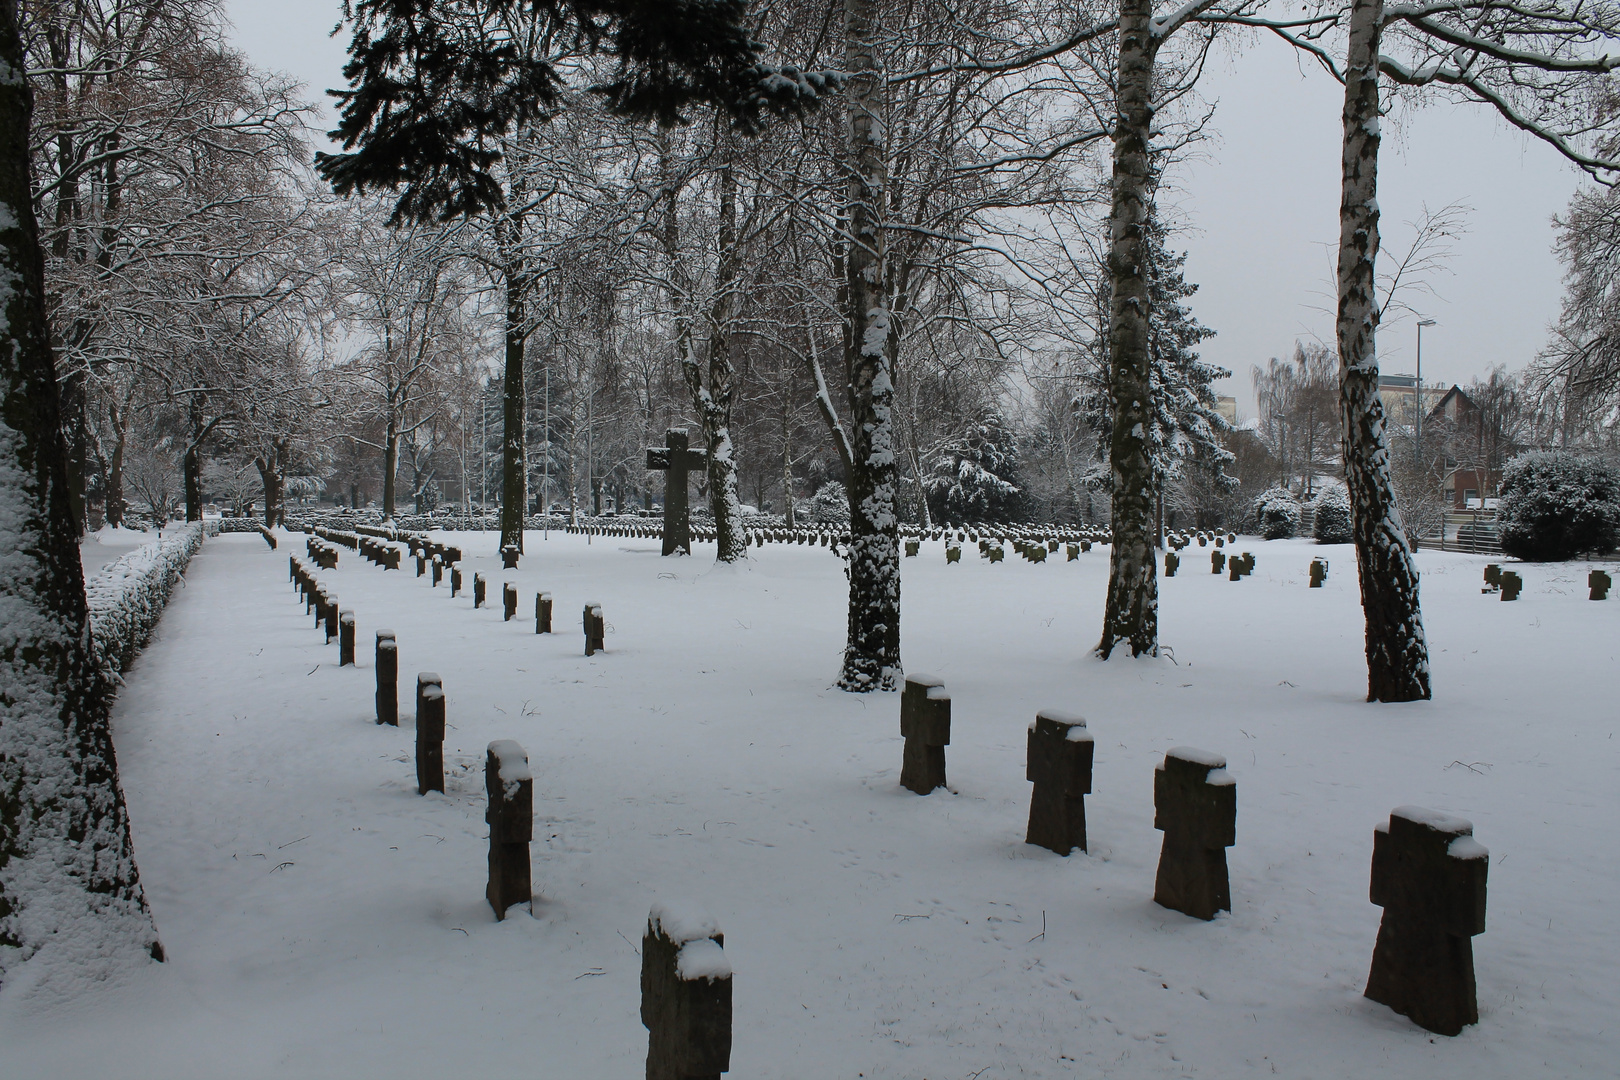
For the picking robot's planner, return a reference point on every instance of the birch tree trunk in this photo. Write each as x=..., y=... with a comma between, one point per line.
x=1132, y=612
x=390, y=476
x=872, y=652
x=1397, y=652
x=68, y=883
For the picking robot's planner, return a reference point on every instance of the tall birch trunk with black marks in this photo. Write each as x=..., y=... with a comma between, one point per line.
x=1397, y=652
x=68, y=882
x=1132, y=613
x=872, y=652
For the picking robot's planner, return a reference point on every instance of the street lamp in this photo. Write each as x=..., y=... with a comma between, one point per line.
x=1417, y=441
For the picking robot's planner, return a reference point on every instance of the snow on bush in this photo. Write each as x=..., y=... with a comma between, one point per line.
x=830, y=503
x=1556, y=504
x=1276, y=514
x=1333, y=522
x=128, y=596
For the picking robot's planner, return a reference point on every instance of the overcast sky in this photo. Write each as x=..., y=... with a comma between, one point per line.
x=1262, y=204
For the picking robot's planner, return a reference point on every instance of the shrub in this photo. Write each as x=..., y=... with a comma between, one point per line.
x=127, y=597
x=1333, y=521
x=1276, y=514
x=1556, y=504
x=830, y=503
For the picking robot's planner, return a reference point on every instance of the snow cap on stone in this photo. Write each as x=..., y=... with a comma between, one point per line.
x=681, y=920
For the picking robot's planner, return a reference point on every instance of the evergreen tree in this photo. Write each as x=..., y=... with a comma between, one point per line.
x=1186, y=423
x=975, y=475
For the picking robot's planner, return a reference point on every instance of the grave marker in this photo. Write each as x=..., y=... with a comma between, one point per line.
x=509, y=601
x=595, y=629
x=1217, y=561
x=685, y=996
x=429, y=733
x=925, y=723
x=1195, y=806
x=1172, y=563
x=1428, y=874
x=478, y=590
x=676, y=459
x=346, y=639
x=509, y=557
x=1600, y=584
x=542, y=613
x=1511, y=584
x=510, y=815
x=1058, y=761
x=1319, y=572
x=438, y=569
x=387, y=678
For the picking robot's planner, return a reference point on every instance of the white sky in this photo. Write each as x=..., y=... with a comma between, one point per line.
x=1263, y=206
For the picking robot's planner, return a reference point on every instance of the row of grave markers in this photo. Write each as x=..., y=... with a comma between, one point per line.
x=1428, y=872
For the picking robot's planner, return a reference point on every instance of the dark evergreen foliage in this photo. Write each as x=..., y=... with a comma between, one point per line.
x=434, y=84
x=975, y=475
x=1556, y=505
x=1333, y=523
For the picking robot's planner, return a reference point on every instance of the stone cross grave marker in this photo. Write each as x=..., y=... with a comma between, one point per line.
x=1512, y=583
x=1058, y=761
x=676, y=458
x=429, y=733
x=1600, y=584
x=925, y=722
x=510, y=787
x=1428, y=874
x=1195, y=806
x=1172, y=563
x=387, y=678
x=1217, y=561
x=685, y=995
x=509, y=557
x=1319, y=572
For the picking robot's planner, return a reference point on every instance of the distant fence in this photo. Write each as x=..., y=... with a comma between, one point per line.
x=1471, y=531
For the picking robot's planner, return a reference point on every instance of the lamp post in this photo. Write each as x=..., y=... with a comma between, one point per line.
x=1417, y=441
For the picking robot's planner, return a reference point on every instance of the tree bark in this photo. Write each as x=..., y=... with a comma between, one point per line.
x=1397, y=651
x=714, y=400
x=1132, y=612
x=872, y=652
x=272, y=474
x=514, y=404
x=118, y=421
x=68, y=881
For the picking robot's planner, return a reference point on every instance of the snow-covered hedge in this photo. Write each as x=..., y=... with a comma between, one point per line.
x=1276, y=514
x=1556, y=504
x=1333, y=522
x=127, y=597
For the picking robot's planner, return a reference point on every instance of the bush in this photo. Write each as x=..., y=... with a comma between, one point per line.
x=1333, y=521
x=1556, y=504
x=830, y=503
x=1276, y=514
x=128, y=596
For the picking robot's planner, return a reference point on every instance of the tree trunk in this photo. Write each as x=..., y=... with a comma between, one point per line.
x=872, y=652
x=787, y=463
x=514, y=451
x=76, y=433
x=191, y=463
x=714, y=400
x=1132, y=612
x=390, y=471
x=115, y=466
x=68, y=882
x=1397, y=652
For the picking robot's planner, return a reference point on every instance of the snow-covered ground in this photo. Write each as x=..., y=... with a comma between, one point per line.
x=321, y=919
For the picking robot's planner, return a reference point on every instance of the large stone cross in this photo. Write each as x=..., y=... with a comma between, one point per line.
x=677, y=459
x=1428, y=874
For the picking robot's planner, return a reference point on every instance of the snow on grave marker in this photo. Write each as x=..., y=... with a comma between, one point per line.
x=1058, y=760
x=1195, y=806
x=455, y=581
x=686, y=995
x=346, y=639
x=925, y=723
x=595, y=629
x=542, y=613
x=387, y=678
x=510, y=815
x=1428, y=874
x=438, y=569
x=429, y=733
x=478, y=590
x=508, y=601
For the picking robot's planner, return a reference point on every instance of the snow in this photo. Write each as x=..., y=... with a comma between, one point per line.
x=1198, y=757
x=512, y=764
x=682, y=920
x=321, y=918
x=702, y=960
x=1437, y=820
x=1466, y=847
